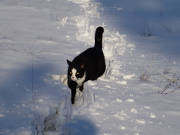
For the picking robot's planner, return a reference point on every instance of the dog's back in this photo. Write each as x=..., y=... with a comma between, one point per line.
x=93, y=58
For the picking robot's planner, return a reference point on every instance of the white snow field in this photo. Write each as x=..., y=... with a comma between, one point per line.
x=139, y=94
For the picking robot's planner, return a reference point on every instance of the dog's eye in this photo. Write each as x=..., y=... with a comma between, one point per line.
x=77, y=73
x=70, y=73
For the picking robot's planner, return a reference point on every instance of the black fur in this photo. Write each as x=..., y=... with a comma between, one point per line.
x=90, y=62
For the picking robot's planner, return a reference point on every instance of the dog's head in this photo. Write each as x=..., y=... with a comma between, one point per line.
x=75, y=71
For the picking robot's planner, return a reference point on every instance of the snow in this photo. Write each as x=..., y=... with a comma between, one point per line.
x=137, y=95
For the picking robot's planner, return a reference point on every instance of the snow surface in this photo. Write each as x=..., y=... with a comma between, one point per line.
x=139, y=92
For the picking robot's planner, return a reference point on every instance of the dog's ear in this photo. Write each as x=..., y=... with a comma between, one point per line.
x=69, y=62
x=82, y=66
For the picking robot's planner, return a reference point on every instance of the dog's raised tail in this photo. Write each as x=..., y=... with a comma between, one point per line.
x=98, y=37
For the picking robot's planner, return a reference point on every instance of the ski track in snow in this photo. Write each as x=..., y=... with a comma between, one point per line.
x=117, y=103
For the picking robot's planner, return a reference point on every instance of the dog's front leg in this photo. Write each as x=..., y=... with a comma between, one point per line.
x=73, y=94
x=81, y=87
x=72, y=85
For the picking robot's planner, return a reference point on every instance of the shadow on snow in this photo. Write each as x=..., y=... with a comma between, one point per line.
x=155, y=23
x=30, y=91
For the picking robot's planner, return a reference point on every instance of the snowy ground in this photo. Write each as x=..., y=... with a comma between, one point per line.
x=142, y=58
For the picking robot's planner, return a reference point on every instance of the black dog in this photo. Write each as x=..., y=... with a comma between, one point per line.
x=89, y=65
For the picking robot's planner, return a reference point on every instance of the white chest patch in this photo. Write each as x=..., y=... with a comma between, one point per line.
x=79, y=81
